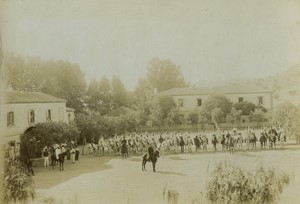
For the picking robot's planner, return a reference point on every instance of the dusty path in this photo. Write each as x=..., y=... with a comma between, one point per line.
x=187, y=174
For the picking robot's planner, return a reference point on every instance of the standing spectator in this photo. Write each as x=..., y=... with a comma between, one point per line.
x=261, y=140
x=76, y=153
x=240, y=141
x=57, y=152
x=253, y=140
x=189, y=144
x=46, y=157
x=223, y=142
x=197, y=143
x=161, y=139
x=72, y=152
x=214, y=142
x=181, y=143
x=204, y=142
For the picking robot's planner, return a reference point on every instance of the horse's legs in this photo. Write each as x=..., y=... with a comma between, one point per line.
x=144, y=164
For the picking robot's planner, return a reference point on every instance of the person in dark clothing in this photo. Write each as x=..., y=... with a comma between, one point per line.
x=150, y=151
x=197, y=143
x=214, y=142
x=124, y=148
x=181, y=143
x=223, y=142
x=161, y=139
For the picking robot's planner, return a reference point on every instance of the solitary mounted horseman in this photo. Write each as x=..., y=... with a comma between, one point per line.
x=150, y=152
x=152, y=156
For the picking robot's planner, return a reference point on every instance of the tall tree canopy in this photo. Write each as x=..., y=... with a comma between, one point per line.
x=215, y=108
x=105, y=95
x=287, y=115
x=119, y=93
x=164, y=74
x=59, y=78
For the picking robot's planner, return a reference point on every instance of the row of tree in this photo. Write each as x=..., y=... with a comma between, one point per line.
x=66, y=80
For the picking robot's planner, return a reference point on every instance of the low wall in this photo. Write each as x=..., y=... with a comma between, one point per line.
x=223, y=126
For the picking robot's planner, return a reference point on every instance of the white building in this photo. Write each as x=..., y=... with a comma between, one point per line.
x=190, y=99
x=22, y=110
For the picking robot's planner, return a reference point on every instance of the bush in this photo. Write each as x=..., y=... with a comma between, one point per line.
x=18, y=185
x=231, y=184
x=45, y=134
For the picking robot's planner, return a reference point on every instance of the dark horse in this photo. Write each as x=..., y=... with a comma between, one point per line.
x=53, y=157
x=151, y=156
x=61, y=159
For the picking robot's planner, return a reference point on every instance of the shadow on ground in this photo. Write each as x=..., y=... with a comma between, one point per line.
x=170, y=173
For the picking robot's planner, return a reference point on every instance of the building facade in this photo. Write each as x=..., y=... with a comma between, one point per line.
x=191, y=99
x=22, y=110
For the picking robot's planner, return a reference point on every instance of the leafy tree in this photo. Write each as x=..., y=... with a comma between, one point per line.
x=90, y=126
x=166, y=104
x=236, y=116
x=143, y=98
x=216, y=116
x=93, y=96
x=45, y=134
x=18, y=185
x=163, y=75
x=194, y=118
x=105, y=93
x=287, y=115
x=59, y=78
x=172, y=118
x=215, y=109
x=257, y=116
x=156, y=116
x=119, y=93
x=245, y=107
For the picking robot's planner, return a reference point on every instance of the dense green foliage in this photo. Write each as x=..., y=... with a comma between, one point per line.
x=287, y=116
x=59, y=78
x=231, y=184
x=245, y=107
x=93, y=126
x=18, y=185
x=46, y=134
x=215, y=108
x=163, y=75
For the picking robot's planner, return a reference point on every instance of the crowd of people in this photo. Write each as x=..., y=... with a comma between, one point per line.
x=170, y=142
x=181, y=142
x=57, y=154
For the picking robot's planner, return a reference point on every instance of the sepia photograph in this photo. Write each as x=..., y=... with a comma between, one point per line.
x=149, y=102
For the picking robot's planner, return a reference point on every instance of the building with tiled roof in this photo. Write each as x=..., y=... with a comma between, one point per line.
x=191, y=99
x=22, y=110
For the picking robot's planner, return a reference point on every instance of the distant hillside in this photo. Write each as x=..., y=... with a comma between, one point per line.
x=285, y=85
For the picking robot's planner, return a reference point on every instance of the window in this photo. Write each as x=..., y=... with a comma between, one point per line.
x=199, y=102
x=241, y=99
x=10, y=118
x=31, y=116
x=260, y=100
x=69, y=117
x=180, y=102
x=48, y=115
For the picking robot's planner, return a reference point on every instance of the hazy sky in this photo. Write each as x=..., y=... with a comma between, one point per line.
x=209, y=40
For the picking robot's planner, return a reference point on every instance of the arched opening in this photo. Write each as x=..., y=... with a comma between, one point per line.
x=29, y=129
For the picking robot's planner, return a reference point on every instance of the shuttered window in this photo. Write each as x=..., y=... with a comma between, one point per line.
x=10, y=118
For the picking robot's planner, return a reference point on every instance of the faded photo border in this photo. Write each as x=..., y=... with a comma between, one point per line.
x=212, y=42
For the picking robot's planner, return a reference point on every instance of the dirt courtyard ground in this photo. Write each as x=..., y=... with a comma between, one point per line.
x=124, y=181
